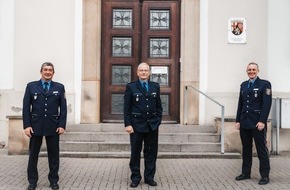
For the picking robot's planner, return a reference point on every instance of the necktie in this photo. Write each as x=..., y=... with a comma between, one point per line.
x=145, y=86
x=250, y=84
x=46, y=87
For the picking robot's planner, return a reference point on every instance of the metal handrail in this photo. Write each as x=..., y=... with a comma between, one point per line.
x=222, y=113
x=276, y=123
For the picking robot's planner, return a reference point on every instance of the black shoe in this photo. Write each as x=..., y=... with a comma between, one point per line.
x=31, y=187
x=134, y=184
x=264, y=181
x=54, y=186
x=151, y=183
x=243, y=176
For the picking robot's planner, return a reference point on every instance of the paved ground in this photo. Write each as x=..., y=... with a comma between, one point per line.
x=180, y=174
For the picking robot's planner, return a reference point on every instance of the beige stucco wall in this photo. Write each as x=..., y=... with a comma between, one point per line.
x=189, y=75
x=232, y=140
x=43, y=31
x=18, y=141
x=90, y=106
x=227, y=62
x=11, y=106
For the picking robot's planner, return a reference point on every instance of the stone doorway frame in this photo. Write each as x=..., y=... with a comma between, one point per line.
x=91, y=68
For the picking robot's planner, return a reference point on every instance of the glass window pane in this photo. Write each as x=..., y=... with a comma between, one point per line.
x=165, y=103
x=122, y=47
x=117, y=103
x=159, y=47
x=121, y=75
x=122, y=18
x=159, y=19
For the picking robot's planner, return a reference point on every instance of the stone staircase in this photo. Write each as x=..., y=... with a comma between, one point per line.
x=111, y=141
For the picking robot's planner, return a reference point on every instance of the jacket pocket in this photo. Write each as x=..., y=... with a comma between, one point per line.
x=137, y=96
x=136, y=114
x=257, y=111
x=153, y=95
x=34, y=117
x=55, y=117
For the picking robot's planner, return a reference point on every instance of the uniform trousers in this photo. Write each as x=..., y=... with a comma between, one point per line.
x=52, y=143
x=150, y=154
x=247, y=136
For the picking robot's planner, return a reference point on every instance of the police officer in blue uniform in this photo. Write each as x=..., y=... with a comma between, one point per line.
x=254, y=106
x=44, y=114
x=142, y=117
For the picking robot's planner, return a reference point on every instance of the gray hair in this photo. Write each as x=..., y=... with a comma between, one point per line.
x=143, y=63
x=47, y=64
x=253, y=63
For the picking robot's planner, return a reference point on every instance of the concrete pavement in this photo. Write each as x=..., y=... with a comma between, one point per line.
x=114, y=174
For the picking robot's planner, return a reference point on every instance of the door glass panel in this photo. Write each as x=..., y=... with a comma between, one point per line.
x=159, y=19
x=165, y=103
x=121, y=47
x=117, y=103
x=159, y=47
x=159, y=75
x=121, y=75
x=122, y=18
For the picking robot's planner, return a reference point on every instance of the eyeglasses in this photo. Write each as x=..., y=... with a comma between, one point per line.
x=143, y=70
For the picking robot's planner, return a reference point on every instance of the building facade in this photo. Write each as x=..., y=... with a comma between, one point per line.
x=96, y=46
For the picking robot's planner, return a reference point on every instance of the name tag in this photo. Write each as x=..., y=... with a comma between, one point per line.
x=55, y=92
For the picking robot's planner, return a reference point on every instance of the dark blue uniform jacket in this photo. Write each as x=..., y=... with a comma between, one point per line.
x=142, y=108
x=44, y=112
x=254, y=103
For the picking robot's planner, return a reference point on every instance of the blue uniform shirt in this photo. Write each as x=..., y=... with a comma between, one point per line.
x=48, y=86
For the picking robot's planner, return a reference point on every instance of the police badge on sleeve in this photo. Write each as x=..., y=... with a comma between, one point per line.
x=268, y=91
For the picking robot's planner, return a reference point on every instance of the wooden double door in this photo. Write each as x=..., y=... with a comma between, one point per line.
x=135, y=31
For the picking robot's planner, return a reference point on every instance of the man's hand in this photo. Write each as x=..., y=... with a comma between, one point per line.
x=28, y=131
x=260, y=126
x=129, y=129
x=60, y=130
x=237, y=125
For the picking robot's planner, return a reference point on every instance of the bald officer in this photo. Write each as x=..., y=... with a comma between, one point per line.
x=44, y=114
x=142, y=117
x=252, y=114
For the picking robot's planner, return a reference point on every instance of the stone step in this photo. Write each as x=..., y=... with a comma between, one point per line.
x=162, y=155
x=123, y=136
x=72, y=146
x=110, y=140
x=117, y=127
